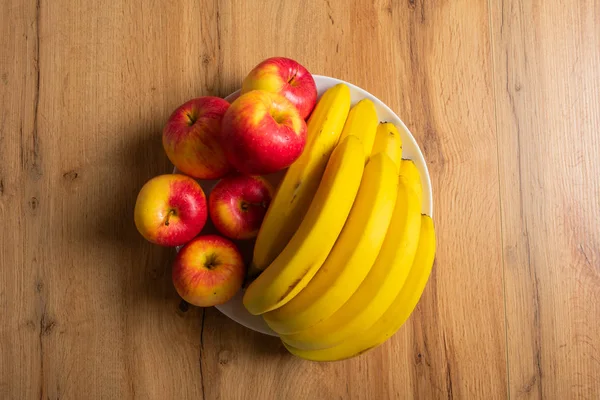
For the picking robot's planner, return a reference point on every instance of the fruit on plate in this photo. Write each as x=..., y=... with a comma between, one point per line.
x=352, y=255
x=238, y=203
x=208, y=271
x=262, y=133
x=170, y=210
x=395, y=316
x=362, y=122
x=320, y=228
x=191, y=138
x=387, y=139
x=298, y=187
x=286, y=77
x=385, y=278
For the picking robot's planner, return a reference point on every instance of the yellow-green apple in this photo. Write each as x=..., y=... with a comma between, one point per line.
x=191, y=138
x=286, y=77
x=237, y=205
x=170, y=210
x=208, y=271
x=262, y=132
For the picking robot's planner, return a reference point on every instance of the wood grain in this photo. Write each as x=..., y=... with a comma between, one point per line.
x=23, y=324
x=546, y=59
x=502, y=97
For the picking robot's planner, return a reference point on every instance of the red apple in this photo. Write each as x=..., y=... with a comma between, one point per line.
x=238, y=204
x=286, y=77
x=191, y=138
x=170, y=210
x=262, y=132
x=208, y=271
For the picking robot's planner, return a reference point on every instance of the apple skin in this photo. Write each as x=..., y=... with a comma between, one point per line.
x=286, y=77
x=170, y=210
x=208, y=271
x=191, y=138
x=262, y=132
x=237, y=205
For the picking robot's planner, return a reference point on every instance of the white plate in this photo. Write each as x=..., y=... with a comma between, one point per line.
x=234, y=308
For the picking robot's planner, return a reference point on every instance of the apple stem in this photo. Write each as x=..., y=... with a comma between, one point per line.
x=171, y=212
x=292, y=78
x=191, y=119
x=211, y=261
x=245, y=205
x=184, y=306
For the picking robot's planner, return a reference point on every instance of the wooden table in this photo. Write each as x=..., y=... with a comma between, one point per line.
x=502, y=96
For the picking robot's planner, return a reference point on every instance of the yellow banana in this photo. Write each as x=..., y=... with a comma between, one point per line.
x=362, y=123
x=388, y=140
x=309, y=247
x=298, y=187
x=352, y=255
x=395, y=316
x=385, y=278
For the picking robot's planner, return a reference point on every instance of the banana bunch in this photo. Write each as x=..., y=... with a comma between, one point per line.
x=344, y=252
x=300, y=183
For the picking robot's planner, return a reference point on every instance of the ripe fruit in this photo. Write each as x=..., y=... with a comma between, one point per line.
x=208, y=271
x=297, y=190
x=237, y=205
x=362, y=122
x=191, y=138
x=262, y=132
x=387, y=140
x=320, y=228
x=286, y=77
x=170, y=210
x=395, y=316
x=352, y=255
x=385, y=279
